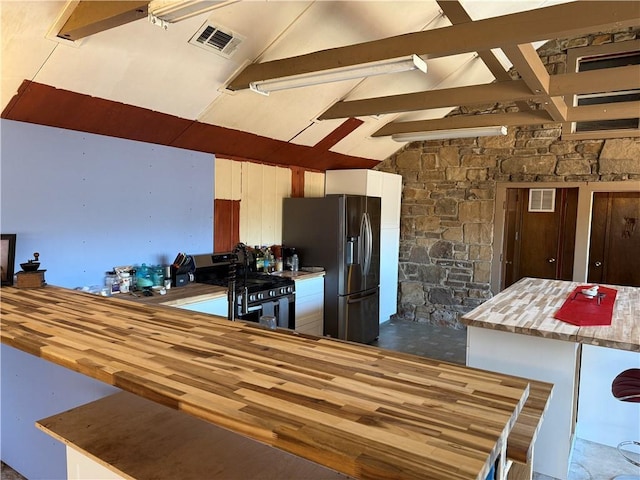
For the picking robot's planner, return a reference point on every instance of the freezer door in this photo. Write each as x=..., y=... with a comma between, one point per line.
x=358, y=317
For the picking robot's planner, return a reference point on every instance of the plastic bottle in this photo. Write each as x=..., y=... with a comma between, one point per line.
x=111, y=282
x=157, y=275
x=259, y=259
x=294, y=262
x=143, y=277
x=266, y=261
x=125, y=282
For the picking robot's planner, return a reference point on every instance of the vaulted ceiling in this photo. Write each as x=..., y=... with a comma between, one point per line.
x=105, y=67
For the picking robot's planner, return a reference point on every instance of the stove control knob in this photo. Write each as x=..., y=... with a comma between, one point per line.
x=272, y=293
x=260, y=296
x=289, y=289
x=252, y=298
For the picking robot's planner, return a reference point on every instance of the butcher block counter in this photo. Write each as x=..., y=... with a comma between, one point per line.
x=516, y=333
x=360, y=410
x=528, y=306
x=180, y=296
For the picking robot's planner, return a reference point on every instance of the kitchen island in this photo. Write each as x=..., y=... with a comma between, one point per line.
x=357, y=409
x=516, y=333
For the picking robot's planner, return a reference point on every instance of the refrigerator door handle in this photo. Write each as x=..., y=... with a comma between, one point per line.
x=368, y=243
x=362, y=298
x=362, y=246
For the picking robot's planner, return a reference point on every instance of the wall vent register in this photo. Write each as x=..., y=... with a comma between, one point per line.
x=216, y=39
x=542, y=199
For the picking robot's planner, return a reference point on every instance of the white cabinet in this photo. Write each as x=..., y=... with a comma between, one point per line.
x=310, y=305
x=217, y=306
x=388, y=187
x=82, y=467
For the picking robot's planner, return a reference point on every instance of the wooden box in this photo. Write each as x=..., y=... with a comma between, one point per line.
x=30, y=279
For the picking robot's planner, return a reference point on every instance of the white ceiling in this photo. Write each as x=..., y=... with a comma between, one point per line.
x=146, y=66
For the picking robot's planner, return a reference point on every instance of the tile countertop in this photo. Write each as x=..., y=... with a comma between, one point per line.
x=528, y=306
x=361, y=410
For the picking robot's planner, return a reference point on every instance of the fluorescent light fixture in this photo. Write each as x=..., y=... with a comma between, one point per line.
x=444, y=134
x=404, y=64
x=171, y=11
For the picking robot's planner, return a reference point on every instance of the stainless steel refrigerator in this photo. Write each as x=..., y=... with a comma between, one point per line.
x=342, y=234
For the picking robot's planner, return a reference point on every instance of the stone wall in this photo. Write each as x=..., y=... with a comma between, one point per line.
x=447, y=220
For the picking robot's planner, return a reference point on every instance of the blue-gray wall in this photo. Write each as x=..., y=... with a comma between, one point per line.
x=86, y=203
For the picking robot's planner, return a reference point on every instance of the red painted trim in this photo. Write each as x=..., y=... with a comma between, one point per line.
x=348, y=126
x=46, y=105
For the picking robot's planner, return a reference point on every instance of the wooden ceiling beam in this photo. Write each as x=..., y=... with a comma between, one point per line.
x=587, y=113
x=90, y=17
x=533, y=117
x=595, y=81
x=508, y=91
x=526, y=61
x=456, y=13
x=519, y=28
x=611, y=79
x=604, y=111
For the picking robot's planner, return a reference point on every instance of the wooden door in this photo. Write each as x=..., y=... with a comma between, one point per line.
x=539, y=244
x=614, y=247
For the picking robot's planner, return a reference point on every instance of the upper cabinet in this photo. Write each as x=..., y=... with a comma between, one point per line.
x=260, y=190
x=372, y=183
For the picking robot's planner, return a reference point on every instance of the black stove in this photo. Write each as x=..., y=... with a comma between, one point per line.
x=256, y=293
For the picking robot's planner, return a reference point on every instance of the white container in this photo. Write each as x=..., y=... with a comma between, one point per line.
x=125, y=282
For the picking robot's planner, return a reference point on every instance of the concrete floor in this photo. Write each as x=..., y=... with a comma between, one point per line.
x=590, y=461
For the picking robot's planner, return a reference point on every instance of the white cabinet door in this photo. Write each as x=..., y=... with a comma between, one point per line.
x=310, y=306
x=387, y=186
x=389, y=242
x=81, y=467
x=391, y=199
x=217, y=306
x=263, y=188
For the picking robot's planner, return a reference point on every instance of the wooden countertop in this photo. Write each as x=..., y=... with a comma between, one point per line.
x=200, y=292
x=361, y=410
x=178, y=296
x=528, y=307
x=119, y=430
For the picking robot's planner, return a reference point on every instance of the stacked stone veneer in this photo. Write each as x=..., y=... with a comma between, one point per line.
x=447, y=219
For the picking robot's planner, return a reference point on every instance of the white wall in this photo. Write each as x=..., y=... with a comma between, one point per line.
x=602, y=418
x=88, y=202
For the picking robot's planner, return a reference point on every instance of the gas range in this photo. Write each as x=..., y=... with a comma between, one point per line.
x=262, y=286
x=256, y=293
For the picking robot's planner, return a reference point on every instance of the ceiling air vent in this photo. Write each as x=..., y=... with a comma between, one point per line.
x=219, y=40
x=542, y=199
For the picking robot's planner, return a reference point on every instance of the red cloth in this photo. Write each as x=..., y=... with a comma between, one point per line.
x=578, y=309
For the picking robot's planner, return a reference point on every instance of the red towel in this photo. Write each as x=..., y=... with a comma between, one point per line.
x=578, y=309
